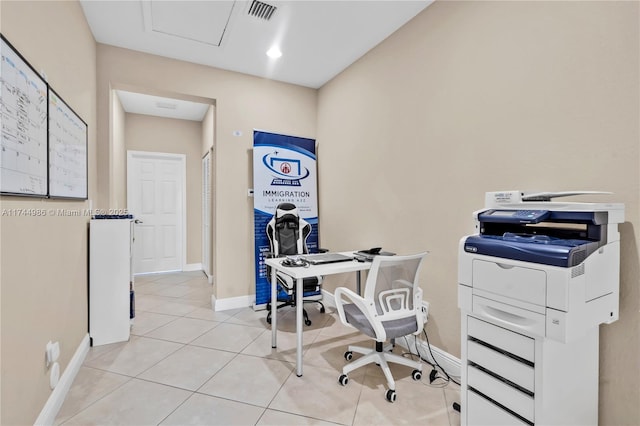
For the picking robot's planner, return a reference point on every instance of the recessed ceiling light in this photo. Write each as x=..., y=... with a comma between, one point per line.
x=274, y=52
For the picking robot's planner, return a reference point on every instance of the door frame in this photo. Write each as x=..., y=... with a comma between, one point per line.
x=182, y=161
x=207, y=238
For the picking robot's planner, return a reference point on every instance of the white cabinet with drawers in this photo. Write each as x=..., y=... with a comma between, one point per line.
x=510, y=378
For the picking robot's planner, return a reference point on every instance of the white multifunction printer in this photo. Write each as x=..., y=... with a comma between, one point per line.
x=535, y=282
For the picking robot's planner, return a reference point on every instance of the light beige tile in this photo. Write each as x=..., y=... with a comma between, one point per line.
x=287, y=345
x=279, y=418
x=137, y=402
x=336, y=328
x=318, y=394
x=328, y=351
x=188, y=368
x=173, y=278
x=144, y=322
x=251, y=318
x=175, y=290
x=211, y=411
x=198, y=294
x=151, y=288
x=160, y=362
x=139, y=279
x=198, y=282
x=135, y=357
x=416, y=403
x=209, y=314
x=182, y=330
x=249, y=379
x=88, y=386
x=98, y=351
x=228, y=337
x=287, y=319
x=452, y=394
x=176, y=307
x=145, y=302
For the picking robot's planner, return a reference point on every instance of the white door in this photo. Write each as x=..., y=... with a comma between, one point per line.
x=206, y=214
x=156, y=197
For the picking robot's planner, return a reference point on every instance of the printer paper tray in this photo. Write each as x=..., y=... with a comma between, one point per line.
x=512, y=317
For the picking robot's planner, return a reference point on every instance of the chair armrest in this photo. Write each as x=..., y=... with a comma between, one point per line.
x=365, y=306
x=338, y=295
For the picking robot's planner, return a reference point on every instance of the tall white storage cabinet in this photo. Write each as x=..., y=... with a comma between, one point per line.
x=110, y=279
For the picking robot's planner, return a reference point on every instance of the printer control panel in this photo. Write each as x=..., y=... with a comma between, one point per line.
x=514, y=216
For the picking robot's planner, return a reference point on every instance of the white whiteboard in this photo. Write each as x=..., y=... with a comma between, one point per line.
x=23, y=144
x=67, y=150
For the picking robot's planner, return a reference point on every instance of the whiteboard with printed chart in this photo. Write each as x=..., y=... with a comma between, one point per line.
x=43, y=144
x=67, y=151
x=23, y=143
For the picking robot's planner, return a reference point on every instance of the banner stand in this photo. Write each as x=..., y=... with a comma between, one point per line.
x=284, y=171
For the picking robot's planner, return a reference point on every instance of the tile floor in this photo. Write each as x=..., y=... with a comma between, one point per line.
x=188, y=365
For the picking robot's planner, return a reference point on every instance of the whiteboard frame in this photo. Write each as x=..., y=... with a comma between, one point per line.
x=46, y=165
x=52, y=195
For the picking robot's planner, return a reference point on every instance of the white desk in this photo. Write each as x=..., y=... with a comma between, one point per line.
x=299, y=273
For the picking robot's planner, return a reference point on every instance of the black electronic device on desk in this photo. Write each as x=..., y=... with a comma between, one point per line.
x=369, y=254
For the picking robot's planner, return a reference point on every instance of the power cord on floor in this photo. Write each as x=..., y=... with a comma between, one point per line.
x=435, y=366
x=434, y=375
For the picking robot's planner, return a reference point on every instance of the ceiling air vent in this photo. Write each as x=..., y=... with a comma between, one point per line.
x=261, y=10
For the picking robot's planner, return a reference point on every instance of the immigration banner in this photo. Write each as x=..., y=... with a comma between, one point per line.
x=284, y=171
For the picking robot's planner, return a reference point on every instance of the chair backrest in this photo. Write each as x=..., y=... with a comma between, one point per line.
x=287, y=231
x=392, y=286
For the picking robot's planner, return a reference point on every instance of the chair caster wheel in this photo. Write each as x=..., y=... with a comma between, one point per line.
x=343, y=379
x=307, y=322
x=322, y=310
x=268, y=320
x=416, y=374
x=348, y=355
x=391, y=395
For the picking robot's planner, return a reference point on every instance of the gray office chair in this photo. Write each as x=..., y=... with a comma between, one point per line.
x=391, y=308
x=288, y=233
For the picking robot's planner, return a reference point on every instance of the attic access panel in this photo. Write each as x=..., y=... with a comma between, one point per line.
x=199, y=21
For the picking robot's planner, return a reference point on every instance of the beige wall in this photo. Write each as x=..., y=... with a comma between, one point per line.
x=157, y=134
x=43, y=268
x=471, y=97
x=242, y=104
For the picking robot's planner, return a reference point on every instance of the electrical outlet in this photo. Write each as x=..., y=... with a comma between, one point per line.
x=425, y=309
x=52, y=352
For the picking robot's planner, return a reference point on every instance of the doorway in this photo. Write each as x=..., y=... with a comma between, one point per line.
x=156, y=196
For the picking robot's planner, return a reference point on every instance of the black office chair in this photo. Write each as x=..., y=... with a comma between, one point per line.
x=288, y=233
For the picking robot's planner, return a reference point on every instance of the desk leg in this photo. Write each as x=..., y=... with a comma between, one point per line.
x=299, y=316
x=274, y=308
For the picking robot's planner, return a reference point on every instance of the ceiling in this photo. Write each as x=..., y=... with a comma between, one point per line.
x=318, y=39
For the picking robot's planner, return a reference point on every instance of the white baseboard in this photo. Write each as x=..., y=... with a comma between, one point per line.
x=232, y=302
x=57, y=397
x=192, y=267
x=450, y=363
